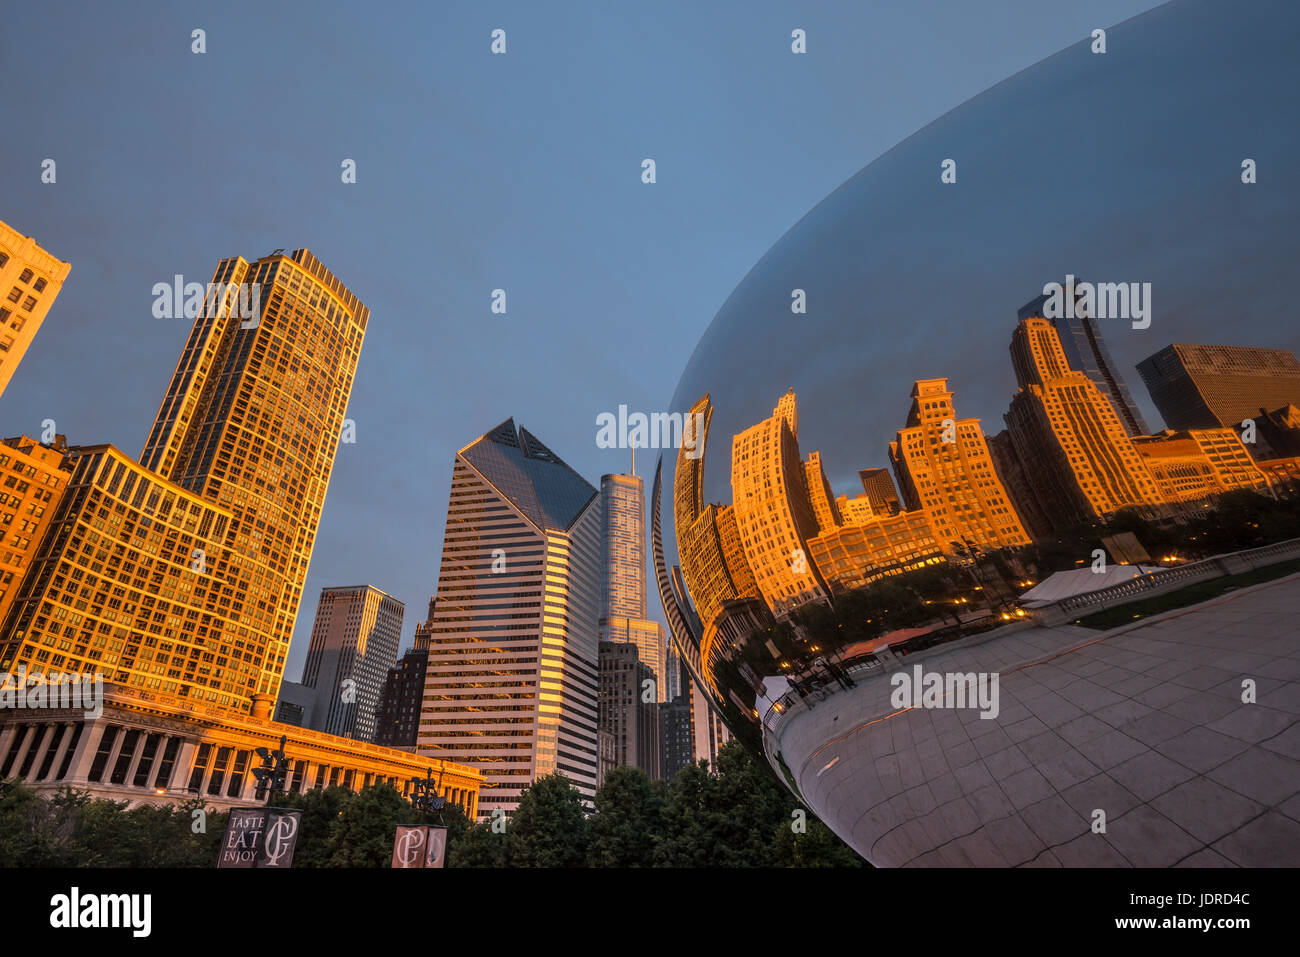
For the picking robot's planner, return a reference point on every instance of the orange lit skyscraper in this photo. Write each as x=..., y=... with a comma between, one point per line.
x=184, y=573
x=774, y=514
x=1078, y=457
x=943, y=466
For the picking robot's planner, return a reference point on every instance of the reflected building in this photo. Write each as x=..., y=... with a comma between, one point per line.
x=30, y=280
x=944, y=467
x=1077, y=456
x=1206, y=387
x=774, y=514
x=623, y=545
x=1198, y=464
x=1085, y=351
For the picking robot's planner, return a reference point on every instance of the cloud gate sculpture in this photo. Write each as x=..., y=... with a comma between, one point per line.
x=951, y=437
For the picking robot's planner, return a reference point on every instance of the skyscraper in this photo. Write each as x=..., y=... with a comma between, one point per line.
x=512, y=678
x=198, y=554
x=773, y=510
x=1085, y=350
x=623, y=606
x=354, y=642
x=1077, y=456
x=943, y=466
x=30, y=280
x=625, y=712
x=32, y=480
x=1207, y=387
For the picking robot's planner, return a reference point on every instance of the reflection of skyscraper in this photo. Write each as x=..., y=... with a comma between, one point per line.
x=773, y=512
x=30, y=280
x=1205, y=387
x=211, y=534
x=879, y=488
x=1086, y=352
x=513, y=645
x=354, y=642
x=1199, y=464
x=1077, y=456
x=820, y=495
x=943, y=465
x=623, y=559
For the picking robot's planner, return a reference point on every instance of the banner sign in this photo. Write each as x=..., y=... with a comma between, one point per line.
x=420, y=846
x=259, y=837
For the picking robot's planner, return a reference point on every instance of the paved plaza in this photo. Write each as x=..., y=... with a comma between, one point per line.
x=1144, y=725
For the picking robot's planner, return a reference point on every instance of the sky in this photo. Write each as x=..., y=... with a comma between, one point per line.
x=474, y=172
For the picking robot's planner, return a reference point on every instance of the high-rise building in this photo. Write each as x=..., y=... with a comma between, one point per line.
x=825, y=509
x=30, y=280
x=878, y=485
x=675, y=742
x=198, y=553
x=1079, y=460
x=1207, y=387
x=774, y=514
x=513, y=666
x=943, y=466
x=623, y=605
x=397, y=718
x=859, y=553
x=252, y=420
x=1085, y=351
x=629, y=707
x=32, y=480
x=354, y=642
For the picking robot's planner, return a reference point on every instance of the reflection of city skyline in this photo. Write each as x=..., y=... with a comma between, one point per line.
x=1074, y=450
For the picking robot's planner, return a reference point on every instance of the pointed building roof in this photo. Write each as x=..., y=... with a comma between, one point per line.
x=530, y=475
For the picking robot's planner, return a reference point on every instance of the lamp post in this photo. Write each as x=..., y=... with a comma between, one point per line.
x=273, y=772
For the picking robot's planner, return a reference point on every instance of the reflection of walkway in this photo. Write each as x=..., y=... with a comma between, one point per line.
x=1144, y=724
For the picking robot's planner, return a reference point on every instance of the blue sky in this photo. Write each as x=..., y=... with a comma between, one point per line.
x=474, y=172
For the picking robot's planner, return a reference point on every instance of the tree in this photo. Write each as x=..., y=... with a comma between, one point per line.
x=479, y=846
x=549, y=827
x=362, y=835
x=625, y=828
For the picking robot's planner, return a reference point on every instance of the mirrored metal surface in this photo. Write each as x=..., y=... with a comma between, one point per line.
x=920, y=472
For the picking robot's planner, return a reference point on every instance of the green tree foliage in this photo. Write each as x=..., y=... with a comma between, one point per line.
x=548, y=828
x=624, y=830
x=735, y=814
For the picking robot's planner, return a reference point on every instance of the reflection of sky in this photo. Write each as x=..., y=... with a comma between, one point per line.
x=1115, y=167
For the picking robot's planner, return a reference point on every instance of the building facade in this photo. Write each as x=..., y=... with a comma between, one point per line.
x=149, y=748
x=944, y=467
x=397, y=719
x=1085, y=351
x=1078, y=458
x=629, y=706
x=30, y=281
x=354, y=642
x=1207, y=387
x=32, y=480
x=511, y=686
x=623, y=547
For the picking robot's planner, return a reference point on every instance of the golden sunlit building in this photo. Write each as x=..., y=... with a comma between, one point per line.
x=32, y=480
x=859, y=553
x=825, y=509
x=1077, y=456
x=148, y=748
x=1199, y=464
x=943, y=466
x=773, y=512
x=30, y=280
x=857, y=510
x=184, y=572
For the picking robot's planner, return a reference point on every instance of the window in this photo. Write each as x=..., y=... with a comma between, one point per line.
x=29, y=303
x=39, y=285
x=26, y=276
x=15, y=293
